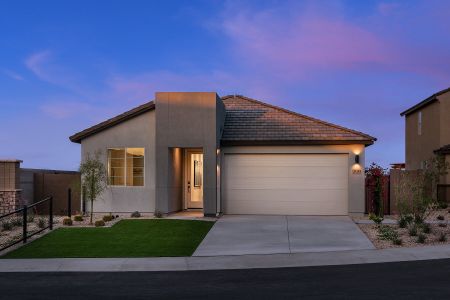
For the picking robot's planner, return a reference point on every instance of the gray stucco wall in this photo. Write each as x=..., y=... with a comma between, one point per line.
x=187, y=120
x=136, y=132
x=356, y=194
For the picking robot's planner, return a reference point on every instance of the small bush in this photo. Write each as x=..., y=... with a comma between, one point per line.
x=397, y=242
x=78, y=218
x=412, y=230
x=158, y=214
x=117, y=216
x=113, y=217
x=42, y=222
x=376, y=219
x=67, y=221
x=402, y=223
x=136, y=214
x=107, y=218
x=426, y=228
x=442, y=237
x=30, y=218
x=443, y=205
x=418, y=219
x=6, y=226
x=421, y=238
x=16, y=222
x=442, y=224
x=99, y=223
x=440, y=218
x=387, y=233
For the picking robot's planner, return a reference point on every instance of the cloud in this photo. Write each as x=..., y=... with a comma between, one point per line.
x=37, y=63
x=12, y=75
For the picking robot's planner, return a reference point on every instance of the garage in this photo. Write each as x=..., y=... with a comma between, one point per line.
x=285, y=184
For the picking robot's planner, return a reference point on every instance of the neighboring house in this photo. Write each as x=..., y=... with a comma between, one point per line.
x=427, y=131
x=232, y=155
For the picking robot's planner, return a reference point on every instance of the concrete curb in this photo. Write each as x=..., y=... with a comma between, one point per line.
x=224, y=262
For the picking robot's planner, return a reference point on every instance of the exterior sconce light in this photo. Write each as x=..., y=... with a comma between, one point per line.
x=357, y=159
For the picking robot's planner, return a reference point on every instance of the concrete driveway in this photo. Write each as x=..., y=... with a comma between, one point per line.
x=256, y=234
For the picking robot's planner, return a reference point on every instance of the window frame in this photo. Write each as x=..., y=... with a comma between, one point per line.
x=125, y=168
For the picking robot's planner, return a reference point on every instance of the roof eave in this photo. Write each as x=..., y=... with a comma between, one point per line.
x=294, y=142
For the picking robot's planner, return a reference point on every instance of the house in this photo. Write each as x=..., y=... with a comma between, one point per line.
x=427, y=131
x=232, y=155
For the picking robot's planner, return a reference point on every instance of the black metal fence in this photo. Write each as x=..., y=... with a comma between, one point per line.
x=23, y=218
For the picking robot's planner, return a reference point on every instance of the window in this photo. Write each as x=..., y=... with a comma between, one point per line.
x=419, y=123
x=126, y=166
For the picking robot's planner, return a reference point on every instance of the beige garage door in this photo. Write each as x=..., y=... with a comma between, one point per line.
x=285, y=184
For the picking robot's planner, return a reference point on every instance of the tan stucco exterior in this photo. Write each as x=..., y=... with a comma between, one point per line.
x=435, y=131
x=136, y=132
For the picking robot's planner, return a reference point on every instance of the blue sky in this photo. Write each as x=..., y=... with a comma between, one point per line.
x=67, y=65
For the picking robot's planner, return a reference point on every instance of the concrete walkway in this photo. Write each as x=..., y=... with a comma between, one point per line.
x=224, y=262
x=256, y=234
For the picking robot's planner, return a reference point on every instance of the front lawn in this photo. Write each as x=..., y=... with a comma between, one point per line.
x=128, y=238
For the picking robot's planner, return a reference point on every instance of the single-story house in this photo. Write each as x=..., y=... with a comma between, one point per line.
x=231, y=155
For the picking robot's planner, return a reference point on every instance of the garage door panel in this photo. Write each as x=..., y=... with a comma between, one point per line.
x=290, y=184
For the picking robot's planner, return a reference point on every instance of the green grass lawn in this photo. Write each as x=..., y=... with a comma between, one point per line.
x=127, y=238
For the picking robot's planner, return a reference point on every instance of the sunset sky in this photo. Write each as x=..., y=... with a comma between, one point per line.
x=67, y=65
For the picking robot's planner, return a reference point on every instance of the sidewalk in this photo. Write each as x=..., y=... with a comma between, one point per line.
x=223, y=262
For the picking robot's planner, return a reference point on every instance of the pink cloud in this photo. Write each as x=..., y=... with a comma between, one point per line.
x=12, y=75
x=36, y=63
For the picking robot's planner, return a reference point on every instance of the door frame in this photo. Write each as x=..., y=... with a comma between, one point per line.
x=186, y=165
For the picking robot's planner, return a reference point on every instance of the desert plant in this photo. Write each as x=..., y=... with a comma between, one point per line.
x=404, y=220
x=412, y=230
x=426, y=228
x=107, y=218
x=6, y=225
x=135, y=214
x=67, y=221
x=443, y=205
x=397, y=242
x=377, y=173
x=16, y=222
x=421, y=238
x=41, y=223
x=440, y=217
x=386, y=232
x=93, y=179
x=99, y=223
x=158, y=214
x=78, y=218
x=442, y=237
x=375, y=218
x=442, y=224
x=30, y=218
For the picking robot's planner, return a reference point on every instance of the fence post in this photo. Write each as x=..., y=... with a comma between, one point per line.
x=50, y=211
x=24, y=224
x=69, y=203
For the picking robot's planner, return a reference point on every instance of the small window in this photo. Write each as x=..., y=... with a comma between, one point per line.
x=126, y=166
x=419, y=123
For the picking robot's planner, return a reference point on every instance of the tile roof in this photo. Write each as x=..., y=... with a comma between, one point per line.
x=255, y=122
x=443, y=150
x=250, y=121
x=424, y=103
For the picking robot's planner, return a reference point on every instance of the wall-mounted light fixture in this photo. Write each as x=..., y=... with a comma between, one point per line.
x=357, y=159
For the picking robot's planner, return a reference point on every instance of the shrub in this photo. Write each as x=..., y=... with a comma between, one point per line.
x=158, y=214
x=41, y=222
x=421, y=238
x=376, y=219
x=99, y=223
x=419, y=219
x=402, y=223
x=113, y=217
x=442, y=224
x=16, y=222
x=387, y=233
x=426, y=228
x=30, y=218
x=78, y=218
x=117, y=216
x=443, y=205
x=440, y=217
x=67, y=221
x=397, y=242
x=6, y=226
x=136, y=214
x=442, y=237
x=412, y=230
x=107, y=218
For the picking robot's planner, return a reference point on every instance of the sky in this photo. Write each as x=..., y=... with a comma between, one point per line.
x=67, y=65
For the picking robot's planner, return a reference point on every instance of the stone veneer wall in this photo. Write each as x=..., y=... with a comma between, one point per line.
x=9, y=201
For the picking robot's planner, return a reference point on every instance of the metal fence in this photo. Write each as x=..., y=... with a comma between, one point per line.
x=30, y=223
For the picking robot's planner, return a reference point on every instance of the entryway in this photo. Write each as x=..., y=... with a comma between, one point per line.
x=193, y=179
x=253, y=234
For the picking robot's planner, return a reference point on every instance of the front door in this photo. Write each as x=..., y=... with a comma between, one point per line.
x=194, y=180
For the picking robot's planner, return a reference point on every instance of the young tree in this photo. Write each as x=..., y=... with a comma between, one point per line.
x=93, y=178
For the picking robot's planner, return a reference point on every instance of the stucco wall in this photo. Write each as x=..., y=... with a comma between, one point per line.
x=136, y=132
x=420, y=147
x=444, y=106
x=355, y=181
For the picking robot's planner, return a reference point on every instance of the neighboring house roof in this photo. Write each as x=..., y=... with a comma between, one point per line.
x=424, y=103
x=252, y=122
x=443, y=150
x=249, y=121
x=77, y=137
